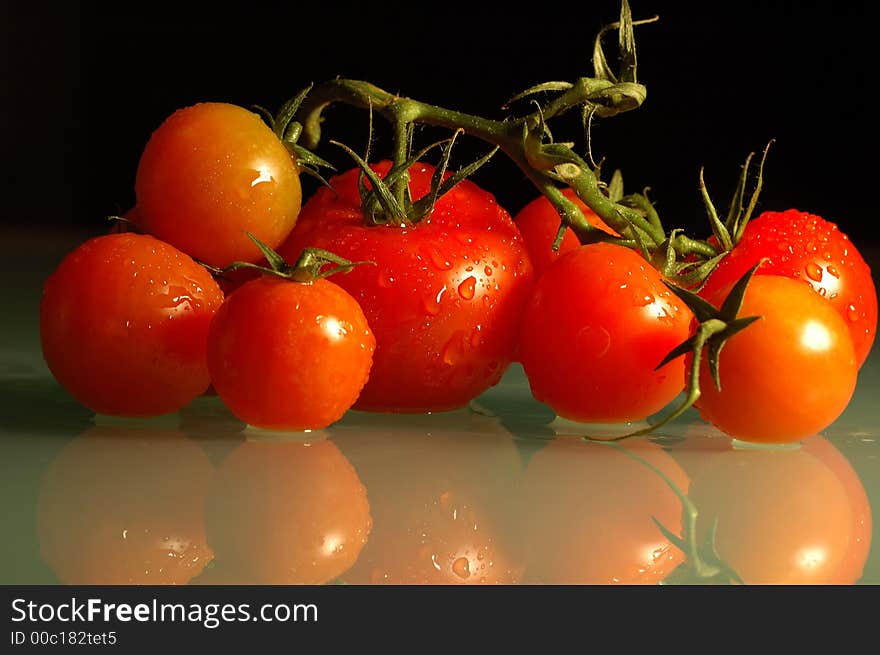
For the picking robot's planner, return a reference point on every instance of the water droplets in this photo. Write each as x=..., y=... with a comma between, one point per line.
x=852, y=313
x=462, y=568
x=467, y=288
x=813, y=271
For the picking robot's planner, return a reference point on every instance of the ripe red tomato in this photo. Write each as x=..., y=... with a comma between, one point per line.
x=212, y=172
x=784, y=516
x=786, y=376
x=599, y=322
x=587, y=513
x=125, y=506
x=444, y=299
x=289, y=355
x=442, y=498
x=287, y=512
x=124, y=325
x=811, y=249
x=538, y=222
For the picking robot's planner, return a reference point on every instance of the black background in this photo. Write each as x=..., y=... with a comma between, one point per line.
x=86, y=83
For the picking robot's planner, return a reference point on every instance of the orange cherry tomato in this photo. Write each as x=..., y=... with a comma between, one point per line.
x=211, y=173
x=786, y=376
x=121, y=506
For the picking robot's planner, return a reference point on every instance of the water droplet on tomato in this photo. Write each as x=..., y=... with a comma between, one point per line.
x=462, y=568
x=386, y=279
x=488, y=271
x=832, y=271
x=813, y=271
x=852, y=313
x=642, y=299
x=452, y=351
x=466, y=289
x=822, y=291
x=826, y=256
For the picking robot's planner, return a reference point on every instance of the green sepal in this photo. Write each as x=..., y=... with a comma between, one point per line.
x=380, y=190
x=308, y=266
x=702, y=309
x=283, y=121
x=718, y=228
x=615, y=186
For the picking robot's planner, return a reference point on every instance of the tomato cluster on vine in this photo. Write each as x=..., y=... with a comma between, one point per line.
x=403, y=287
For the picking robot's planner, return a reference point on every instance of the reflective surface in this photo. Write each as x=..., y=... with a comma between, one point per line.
x=496, y=493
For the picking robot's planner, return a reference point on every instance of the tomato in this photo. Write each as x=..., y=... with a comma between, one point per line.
x=287, y=512
x=811, y=249
x=784, y=516
x=598, y=324
x=786, y=376
x=699, y=453
x=442, y=492
x=125, y=506
x=124, y=325
x=444, y=299
x=211, y=173
x=539, y=221
x=289, y=355
x=587, y=509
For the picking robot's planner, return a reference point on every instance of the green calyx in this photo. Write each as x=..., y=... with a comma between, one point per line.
x=312, y=264
x=288, y=132
x=715, y=327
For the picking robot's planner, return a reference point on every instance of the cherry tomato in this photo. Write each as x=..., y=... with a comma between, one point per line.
x=289, y=355
x=786, y=376
x=587, y=514
x=211, y=173
x=539, y=221
x=287, y=512
x=125, y=506
x=811, y=249
x=598, y=324
x=445, y=298
x=124, y=325
x=784, y=516
x=442, y=492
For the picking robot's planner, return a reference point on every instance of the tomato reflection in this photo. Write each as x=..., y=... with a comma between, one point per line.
x=286, y=512
x=441, y=489
x=588, y=510
x=125, y=506
x=785, y=516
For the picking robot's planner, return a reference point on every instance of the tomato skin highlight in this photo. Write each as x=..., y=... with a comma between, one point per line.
x=538, y=221
x=598, y=324
x=124, y=323
x=808, y=248
x=788, y=375
x=212, y=172
x=289, y=355
x=444, y=299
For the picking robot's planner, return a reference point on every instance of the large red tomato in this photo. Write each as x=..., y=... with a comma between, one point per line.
x=124, y=325
x=444, y=298
x=597, y=326
x=809, y=248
